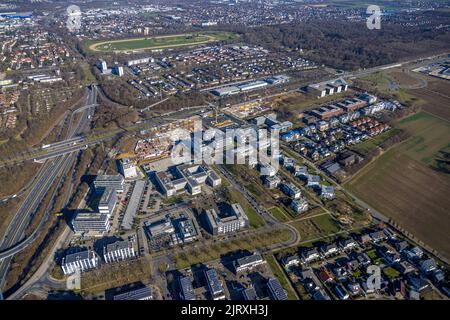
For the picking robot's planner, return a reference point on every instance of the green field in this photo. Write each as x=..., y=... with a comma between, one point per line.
x=316, y=227
x=403, y=186
x=430, y=134
x=281, y=214
x=372, y=143
x=160, y=42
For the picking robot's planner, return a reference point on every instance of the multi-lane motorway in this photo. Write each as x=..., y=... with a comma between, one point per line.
x=13, y=241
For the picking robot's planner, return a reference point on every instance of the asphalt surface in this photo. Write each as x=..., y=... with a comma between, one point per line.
x=13, y=241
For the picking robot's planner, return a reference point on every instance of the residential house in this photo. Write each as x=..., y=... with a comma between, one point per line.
x=329, y=250
x=348, y=244
x=428, y=265
x=310, y=255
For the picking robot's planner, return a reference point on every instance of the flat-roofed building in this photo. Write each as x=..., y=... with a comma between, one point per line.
x=250, y=294
x=291, y=190
x=115, y=182
x=276, y=290
x=91, y=223
x=227, y=222
x=160, y=228
x=79, y=262
x=225, y=91
x=214, y=285
x=248, y=262
x=128, y=168
x=189, y=177
x=118, y=251
x=299, y=205
x=185, y=230
x=272, y=182
x=186, y=288
x=133, y=205
x=327, y=112
x=144, y=293
x=327, y=88
x=107, y=201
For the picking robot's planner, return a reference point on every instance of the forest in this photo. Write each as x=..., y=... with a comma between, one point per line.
x=350, y=45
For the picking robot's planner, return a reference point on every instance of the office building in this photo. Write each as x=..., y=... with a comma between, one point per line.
x=299, y=205
x=133, y=205
x=93, y=223
x=227, y=222
x=128, y=168
x=214, y=285
x=187, y=177
x=328, y=88
x=248, y=262
x=115, y=182
x=186, y=288
x=118, y=251
x=107, y=201
x=79, y=261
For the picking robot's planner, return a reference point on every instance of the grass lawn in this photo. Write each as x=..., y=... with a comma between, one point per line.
x=280, y=214
x=159, y=42
x=391, y=273
x=316, y=227
x=89, y=78
x=279, y=274
x=372, y=254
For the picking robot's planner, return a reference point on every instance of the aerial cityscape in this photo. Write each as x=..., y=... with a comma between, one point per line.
x=233, y=150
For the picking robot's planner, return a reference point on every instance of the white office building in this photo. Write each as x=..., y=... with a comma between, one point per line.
x=128, y=168
x=79, y=261
x=227, y=222
x=118, y=251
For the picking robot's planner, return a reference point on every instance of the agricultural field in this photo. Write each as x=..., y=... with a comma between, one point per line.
x=161, y=42
x=402, y=184
x=436, y=97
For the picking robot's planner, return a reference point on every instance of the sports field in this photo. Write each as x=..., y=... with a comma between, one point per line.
x=159, y=42
x=402, y=184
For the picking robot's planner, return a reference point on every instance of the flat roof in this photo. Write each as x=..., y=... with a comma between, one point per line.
x=133, y=204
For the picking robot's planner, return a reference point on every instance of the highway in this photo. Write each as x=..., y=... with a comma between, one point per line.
x=13, y=241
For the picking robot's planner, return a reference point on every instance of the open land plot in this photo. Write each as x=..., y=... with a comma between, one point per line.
x=407, y=79
x=436, y=97
x=403, y=186
x=160, y=42
x=316, y=227
x=429, y=135
x=281, y=214
x=292, y=104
